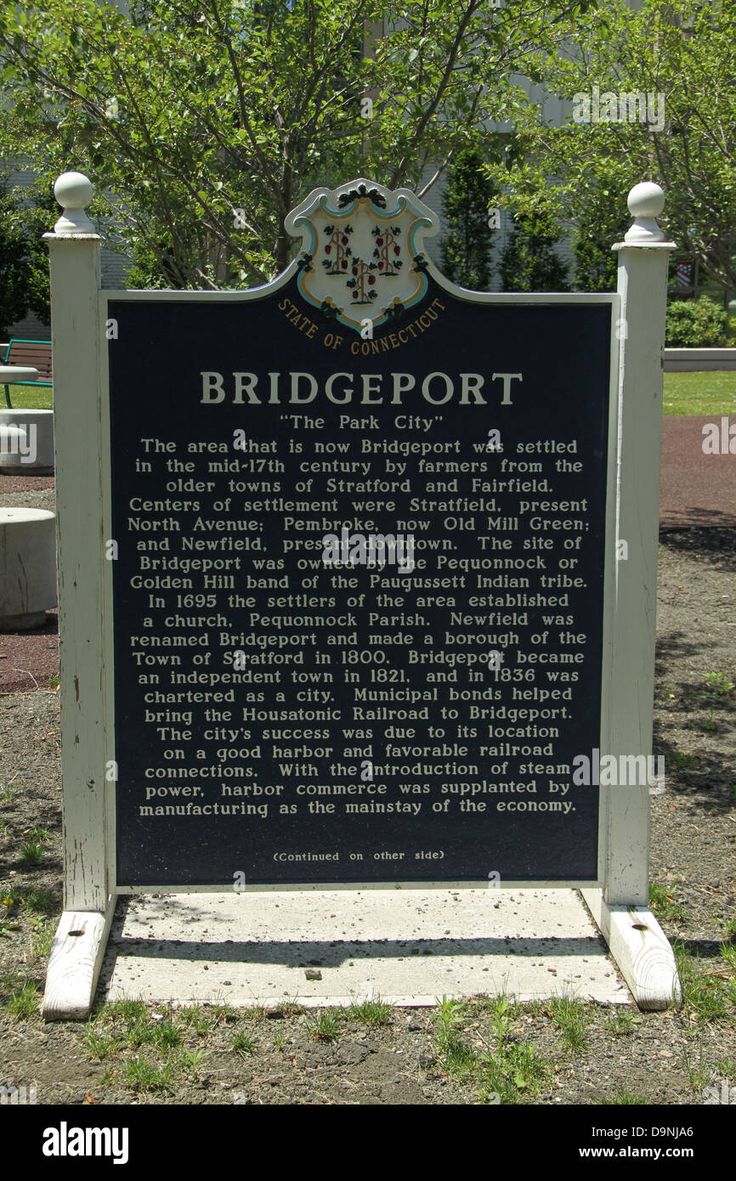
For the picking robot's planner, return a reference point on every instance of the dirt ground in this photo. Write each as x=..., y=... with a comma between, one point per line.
x=473, y=1053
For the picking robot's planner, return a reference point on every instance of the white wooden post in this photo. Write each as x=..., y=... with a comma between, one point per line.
x=621, y=908
x=79, y=945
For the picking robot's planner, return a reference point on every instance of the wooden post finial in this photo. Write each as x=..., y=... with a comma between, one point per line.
x=646, y=202
x=73, y=191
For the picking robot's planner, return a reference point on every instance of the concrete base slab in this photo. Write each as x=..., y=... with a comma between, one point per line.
x=337, y=947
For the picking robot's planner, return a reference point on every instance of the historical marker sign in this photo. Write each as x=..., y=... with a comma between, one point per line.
x=357, y=578
x=361, y=520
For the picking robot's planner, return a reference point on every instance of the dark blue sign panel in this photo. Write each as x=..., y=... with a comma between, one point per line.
x=358, y=598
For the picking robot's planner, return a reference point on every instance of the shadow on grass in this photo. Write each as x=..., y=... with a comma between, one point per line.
x=701, y=949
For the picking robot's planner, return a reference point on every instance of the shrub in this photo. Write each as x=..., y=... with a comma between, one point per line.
x=696, y=323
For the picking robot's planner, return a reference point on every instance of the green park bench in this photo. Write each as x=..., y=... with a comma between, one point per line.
x=29, y=353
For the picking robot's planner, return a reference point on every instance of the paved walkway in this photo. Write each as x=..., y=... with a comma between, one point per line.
x=696, y=489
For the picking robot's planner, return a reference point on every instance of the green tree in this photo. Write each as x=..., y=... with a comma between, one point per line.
x=530, y=261
x=34, y=213
x=680, y=56
x=203, y=122
x=14, y=263
x=600, y=223
x=466, y=203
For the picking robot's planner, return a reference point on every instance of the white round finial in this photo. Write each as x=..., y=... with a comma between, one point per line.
x=646, y=202
x=74, y=192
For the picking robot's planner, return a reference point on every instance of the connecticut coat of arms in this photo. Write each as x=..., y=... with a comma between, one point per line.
x=361, y=262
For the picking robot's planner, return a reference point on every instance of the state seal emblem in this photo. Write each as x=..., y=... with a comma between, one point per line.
x=362, y=262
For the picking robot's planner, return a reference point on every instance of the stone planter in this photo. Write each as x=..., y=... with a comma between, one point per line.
x=26, y=442
x=27, y=567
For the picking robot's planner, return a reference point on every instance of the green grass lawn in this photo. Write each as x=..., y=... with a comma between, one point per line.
x=28, y=397
x=684, y=393
x=700, y=393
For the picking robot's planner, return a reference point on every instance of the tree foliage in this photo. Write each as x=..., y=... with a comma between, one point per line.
x=34, y=213
x=15, y=264
x=210, y=119
x=679, y=53
x=600, y=223
x=530, y=261
x=466, y=202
